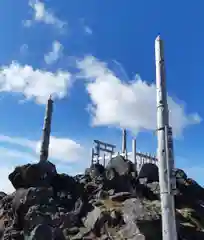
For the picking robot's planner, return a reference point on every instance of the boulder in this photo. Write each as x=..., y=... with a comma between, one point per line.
x=33, y=175
x=96, y=219
x=138, y=214
x=66, y=190
x=2, y=195
x=27, y=201
x=40, y=232
x=121, y=196
x=120, y=165
x=150, y=172
x=108, y=203
x=96, y=170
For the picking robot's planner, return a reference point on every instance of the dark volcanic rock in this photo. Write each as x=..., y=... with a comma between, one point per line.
x=96, y=170
x=122, y=196
x=40, y=232
x=120, y=165
x=149, y=171
x=33, y=175
x=104, y=203
x=2, y=195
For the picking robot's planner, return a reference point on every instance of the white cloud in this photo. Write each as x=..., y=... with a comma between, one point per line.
x=34, y=83
x=64, y=150
x=17, y=155
x=41, y=14
x=55, y=54
x=23, y=142
x=61, y=149
x=24, y=49
x=88, y=30
x=131, y=105
x=5, y=184
x=27, y=23
x=10, y=158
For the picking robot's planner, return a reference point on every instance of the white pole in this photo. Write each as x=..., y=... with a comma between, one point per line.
x=134, y=155
x=104, y=160
x=167, y=199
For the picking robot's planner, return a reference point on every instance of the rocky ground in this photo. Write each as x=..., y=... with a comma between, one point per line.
x=110, y=203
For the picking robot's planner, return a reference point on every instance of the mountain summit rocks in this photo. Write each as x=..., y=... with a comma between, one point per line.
x=103, y=203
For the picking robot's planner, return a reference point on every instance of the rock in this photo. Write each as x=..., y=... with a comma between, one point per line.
x=120, y=165
x=71, y=231
x=91, y=188
x=31, y=207
x=11, y=233
x=96, y=219
x=108, y=203
x=137, y=215
x=2, y=195
x=33, y=175
x=180, y=174
x=133, y=210
x=116, y=218
x=154, y=187
x=96, y=170
x=150, y=172
x=40, y=232
x=119, y=184
x=143, y=180
x=122, y=196
x=111, y=192
x=63, y=182
x=2, y=227
x=19, y=207
x=102, y=194
x=92, y=218
x=58, y=234
x=151, y=230
x=97, y=203
x=31, y=196
x=111, y=173
x=82, y=234
x=36, y=216
x=70, y=220
x=130, y=231
x=136, y=210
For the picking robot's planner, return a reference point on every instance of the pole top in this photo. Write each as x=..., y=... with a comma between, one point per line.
x=50, y=98
x=158, y=38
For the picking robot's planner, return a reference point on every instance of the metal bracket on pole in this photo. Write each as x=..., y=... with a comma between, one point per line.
x=170, y=160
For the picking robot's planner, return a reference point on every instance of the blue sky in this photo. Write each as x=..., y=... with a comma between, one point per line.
x=97, y=59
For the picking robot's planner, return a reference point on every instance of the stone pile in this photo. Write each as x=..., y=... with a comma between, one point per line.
x=103, y=203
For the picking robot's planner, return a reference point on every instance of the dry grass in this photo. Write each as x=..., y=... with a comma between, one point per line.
x=191, y=218
x=110, y=204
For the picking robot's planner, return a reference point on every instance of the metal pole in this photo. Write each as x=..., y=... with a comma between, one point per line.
x=167, y=199
x=134, y=154
x=172, y=177
x=46, y=131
